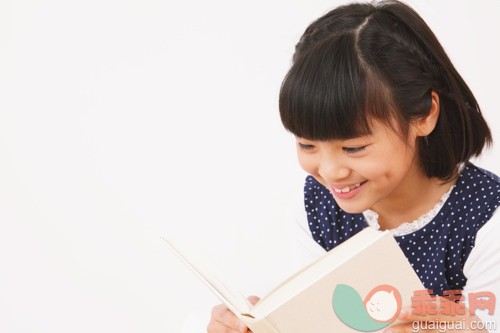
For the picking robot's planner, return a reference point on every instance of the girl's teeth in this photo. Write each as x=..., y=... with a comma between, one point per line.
x=347, y=188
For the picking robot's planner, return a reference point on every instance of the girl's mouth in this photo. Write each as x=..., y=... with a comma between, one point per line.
x=348, y=191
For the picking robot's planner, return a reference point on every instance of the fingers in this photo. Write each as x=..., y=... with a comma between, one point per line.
x=407, y=315
x=406, y=328
x=224, y=321
x=216, y=327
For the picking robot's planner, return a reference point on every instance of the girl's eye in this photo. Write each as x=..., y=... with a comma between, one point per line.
x=353, y=150
x=305, y=146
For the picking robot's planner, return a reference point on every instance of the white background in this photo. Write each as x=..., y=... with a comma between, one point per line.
x=125, y=121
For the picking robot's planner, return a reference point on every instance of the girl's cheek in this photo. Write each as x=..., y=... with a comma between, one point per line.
x=307, y=163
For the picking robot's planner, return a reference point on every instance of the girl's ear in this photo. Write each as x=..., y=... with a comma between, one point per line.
x=424, y=126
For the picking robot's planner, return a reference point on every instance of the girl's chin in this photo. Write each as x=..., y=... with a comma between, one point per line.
x=352, y=210
x=352, y=207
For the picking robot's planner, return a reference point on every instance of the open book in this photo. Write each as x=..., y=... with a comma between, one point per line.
x=360, y=285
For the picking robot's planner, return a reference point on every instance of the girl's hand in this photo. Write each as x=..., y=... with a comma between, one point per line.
x=224, y=321
x=414, y=323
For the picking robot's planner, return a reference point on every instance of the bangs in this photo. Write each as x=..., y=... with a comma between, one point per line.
x=330, y=94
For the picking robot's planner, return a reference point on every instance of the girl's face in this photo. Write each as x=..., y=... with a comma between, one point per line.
x=364, y=172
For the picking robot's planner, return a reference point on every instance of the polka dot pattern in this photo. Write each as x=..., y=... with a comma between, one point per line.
x=438, y=250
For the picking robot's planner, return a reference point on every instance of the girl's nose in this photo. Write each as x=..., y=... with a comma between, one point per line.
x=333, y=170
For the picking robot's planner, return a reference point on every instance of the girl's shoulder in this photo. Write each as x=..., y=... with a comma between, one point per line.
x=474, y=180
x=474, y=198
x=470, y=169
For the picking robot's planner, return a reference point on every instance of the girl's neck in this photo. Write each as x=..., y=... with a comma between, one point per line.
x=417, y=197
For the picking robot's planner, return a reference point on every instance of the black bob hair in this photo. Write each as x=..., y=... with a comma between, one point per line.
x=380, y=61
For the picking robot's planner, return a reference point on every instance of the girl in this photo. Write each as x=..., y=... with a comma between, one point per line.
x=385, y=127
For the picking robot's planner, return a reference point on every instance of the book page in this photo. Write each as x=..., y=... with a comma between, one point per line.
x=235, y=301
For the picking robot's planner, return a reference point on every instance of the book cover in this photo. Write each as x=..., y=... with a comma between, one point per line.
x=360, y=285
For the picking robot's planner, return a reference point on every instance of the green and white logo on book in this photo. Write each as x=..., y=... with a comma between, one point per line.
x=379, y=308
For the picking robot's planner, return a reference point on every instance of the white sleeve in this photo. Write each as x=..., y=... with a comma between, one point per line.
x=303, y=248
x=482, y=269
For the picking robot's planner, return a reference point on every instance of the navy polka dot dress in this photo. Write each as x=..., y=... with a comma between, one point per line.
x=439, y=249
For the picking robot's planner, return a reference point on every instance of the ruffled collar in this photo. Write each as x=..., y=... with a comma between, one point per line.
x=406, y=228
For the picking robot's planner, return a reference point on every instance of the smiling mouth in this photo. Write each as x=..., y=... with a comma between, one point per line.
x=347, y=189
